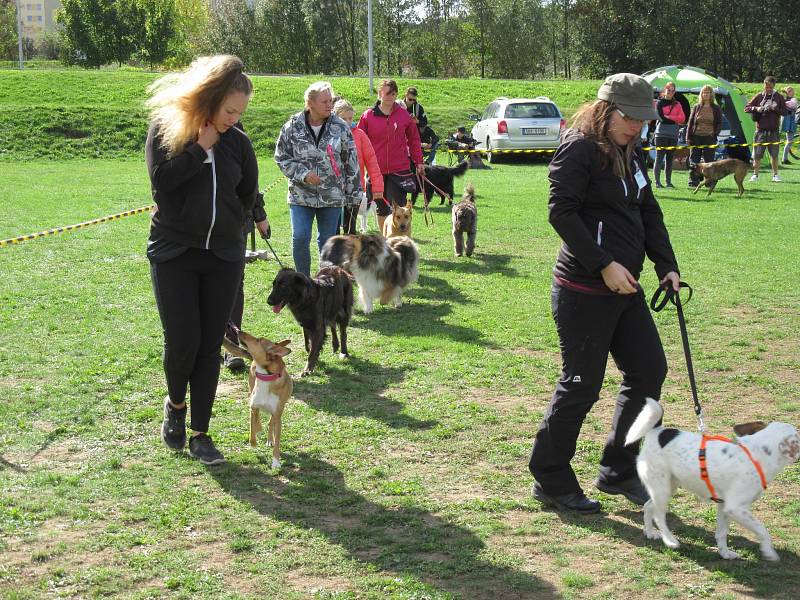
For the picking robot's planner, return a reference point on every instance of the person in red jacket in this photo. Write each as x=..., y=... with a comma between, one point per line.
x=367, y=165
x=395, y=138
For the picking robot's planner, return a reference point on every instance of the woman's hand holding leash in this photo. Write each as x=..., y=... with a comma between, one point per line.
x=672, y=278
x=264, y=229
x=313, y=179
x=618, y=279
x=421, y=169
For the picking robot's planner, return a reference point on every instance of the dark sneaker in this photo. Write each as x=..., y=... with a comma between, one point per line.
x=202, y=448
x=173, y=429
x=576, y=502
x=233, y=363
x=631, y=488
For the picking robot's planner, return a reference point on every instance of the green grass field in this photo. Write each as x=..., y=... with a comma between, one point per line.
x=405, y=467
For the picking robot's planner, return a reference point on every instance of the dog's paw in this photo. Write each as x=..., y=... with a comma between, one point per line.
x=673, y=544
x=343, y=355
x=276, y=464
x=305, y=373
x=729, y=554
x=770, y=555
x=652, y=534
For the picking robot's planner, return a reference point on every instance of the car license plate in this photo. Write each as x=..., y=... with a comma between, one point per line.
x=534, y=131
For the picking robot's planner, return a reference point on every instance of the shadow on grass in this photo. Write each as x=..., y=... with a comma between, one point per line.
x=400, y=541
x=436, y=288
x=421, y=320
x=698, y=545
x=6, y=464
x=479, y=264
x=359, y=386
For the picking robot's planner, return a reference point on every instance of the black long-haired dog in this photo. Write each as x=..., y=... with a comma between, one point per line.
x=442, y=178
x=318, y=303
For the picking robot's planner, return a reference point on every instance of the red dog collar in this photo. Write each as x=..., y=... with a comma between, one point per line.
x=267, y=376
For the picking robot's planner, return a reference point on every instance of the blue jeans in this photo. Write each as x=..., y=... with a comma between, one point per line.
x=301, y=218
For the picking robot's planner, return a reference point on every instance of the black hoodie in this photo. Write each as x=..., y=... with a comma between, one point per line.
x=601, y=217
x=203, y=204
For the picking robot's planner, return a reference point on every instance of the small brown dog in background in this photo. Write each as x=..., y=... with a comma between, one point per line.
x=270, y=386
x=465, y=221
x=714, y=171
x=399, y=222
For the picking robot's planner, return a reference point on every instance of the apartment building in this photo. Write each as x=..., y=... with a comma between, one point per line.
x=38, y=16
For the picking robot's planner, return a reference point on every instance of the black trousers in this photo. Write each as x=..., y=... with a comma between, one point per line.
x=194, y=293
x=589, y=328
x=707, y=154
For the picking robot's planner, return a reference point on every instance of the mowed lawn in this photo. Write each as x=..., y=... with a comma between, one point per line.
x=405, y=467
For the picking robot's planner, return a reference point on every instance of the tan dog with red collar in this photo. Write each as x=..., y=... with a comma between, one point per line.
x=736, y=472
x=399, y=222
x=270, y=386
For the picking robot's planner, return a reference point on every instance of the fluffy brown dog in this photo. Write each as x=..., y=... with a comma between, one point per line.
x=714, y=171
x=465, y=221
x=399, y=222
x=270, y=386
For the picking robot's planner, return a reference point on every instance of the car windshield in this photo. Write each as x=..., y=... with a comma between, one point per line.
x=531, y=110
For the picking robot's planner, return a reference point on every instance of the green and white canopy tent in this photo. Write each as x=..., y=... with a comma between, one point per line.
x=689, y=80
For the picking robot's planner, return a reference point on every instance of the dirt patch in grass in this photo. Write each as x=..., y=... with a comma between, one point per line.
x=52, y=546
x=311, y=583
x=232, y=388
x=496, y=399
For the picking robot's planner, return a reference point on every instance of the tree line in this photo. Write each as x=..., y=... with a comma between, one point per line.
x=740, y=41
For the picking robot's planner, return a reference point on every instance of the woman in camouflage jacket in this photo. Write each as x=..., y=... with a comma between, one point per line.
x=317, y=154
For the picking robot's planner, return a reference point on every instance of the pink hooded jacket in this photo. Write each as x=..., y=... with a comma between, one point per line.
x=368, y=161
x=393, y=138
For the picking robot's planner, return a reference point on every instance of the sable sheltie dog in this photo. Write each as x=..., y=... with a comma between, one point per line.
x=465, y=221
x=318, y=303
x=382, y=268
x=714, y=171
x=442, y=178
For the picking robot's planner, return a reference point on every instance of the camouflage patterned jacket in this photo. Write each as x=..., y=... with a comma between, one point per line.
x=332, y=157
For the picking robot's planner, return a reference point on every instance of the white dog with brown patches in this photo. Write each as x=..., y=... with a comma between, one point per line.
x=736, y=472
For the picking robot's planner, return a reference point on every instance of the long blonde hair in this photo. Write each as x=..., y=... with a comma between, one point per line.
x=593, y=120
x=181, y=103
x=700, y=95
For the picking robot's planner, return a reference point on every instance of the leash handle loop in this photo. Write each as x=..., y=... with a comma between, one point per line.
x=657, y=303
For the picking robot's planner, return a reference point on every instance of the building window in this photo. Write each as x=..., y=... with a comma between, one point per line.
x=39, y=18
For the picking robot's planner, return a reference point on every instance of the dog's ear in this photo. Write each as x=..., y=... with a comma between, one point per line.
x=283, y=343
x=279, y=350
x=748, y=428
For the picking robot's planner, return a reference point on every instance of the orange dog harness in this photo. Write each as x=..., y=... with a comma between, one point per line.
x=704, y=466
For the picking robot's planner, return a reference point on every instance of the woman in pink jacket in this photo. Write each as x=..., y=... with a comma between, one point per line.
x=395, y=138
x=366, y=161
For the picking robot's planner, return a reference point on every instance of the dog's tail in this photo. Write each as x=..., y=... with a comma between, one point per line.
x=469, y=193
x=647, y=419
x=459, y=169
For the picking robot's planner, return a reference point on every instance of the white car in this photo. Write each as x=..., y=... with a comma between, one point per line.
x=518, y=124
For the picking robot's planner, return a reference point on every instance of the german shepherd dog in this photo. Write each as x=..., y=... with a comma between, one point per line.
x=318, y=303
x=442, y=178
x=714, y=171
x=382, y=268
x=465, y=221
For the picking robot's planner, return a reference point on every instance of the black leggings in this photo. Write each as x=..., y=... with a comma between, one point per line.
x=194, y=293
x=589, y=327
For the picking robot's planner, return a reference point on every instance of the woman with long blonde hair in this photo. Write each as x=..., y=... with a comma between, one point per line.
x=602, y=206
x=702, y=128
x=204, y=179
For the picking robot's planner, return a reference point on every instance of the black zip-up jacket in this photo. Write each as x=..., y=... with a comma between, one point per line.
x=603, y=218
x=203, y=204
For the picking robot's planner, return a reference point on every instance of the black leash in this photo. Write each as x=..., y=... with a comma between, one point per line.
x=657, y=304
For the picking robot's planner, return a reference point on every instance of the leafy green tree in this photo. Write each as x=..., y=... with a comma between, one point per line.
x=160, y=18
x=8, y=30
